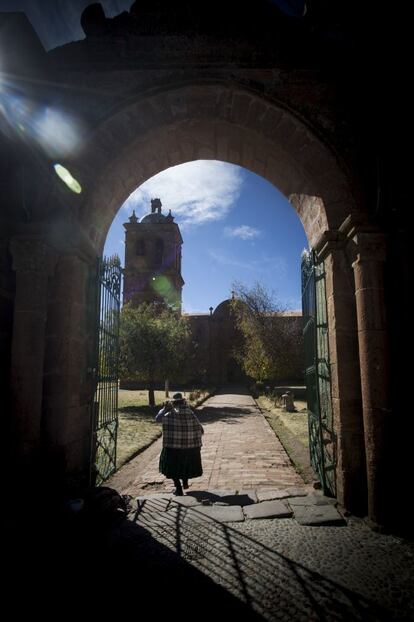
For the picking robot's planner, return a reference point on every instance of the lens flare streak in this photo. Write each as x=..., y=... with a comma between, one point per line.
x=67, y=178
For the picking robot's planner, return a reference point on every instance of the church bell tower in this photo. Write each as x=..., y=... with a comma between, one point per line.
x=153, y=259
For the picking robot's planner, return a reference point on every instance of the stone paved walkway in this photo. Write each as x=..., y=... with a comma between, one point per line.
x=240, y=451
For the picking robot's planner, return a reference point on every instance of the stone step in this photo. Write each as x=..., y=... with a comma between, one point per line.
x=231, y=506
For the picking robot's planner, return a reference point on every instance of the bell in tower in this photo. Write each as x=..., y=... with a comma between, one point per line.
x=156, y=206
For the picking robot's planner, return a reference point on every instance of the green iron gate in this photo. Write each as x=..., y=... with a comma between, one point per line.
x=105, y=403
x=322, y=441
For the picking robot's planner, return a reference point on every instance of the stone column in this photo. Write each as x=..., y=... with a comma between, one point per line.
x=368, y=267
x=68, y=379
x=345, y=378
x=33, y=262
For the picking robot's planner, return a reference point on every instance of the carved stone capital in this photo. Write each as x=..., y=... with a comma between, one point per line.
x=367, y=243
x=369, y=246
x=330, y=242
x=355, y=223
x=32, y=255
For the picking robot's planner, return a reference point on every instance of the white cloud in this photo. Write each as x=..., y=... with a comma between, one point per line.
x=263, y=266
x=196, y=192
x=243, y=231
x=227, y=260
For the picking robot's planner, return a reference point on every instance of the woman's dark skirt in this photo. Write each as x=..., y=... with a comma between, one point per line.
x=181, y=463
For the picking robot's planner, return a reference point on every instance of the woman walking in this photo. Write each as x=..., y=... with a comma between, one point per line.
x=180, y=458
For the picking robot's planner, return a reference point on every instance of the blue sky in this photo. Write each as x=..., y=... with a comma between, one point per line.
x=236, y=226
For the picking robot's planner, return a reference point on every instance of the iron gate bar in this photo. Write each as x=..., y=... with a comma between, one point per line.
x=105, y=404
x=322, y=440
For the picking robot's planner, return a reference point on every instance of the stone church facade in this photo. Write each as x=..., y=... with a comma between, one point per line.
x=152, y=272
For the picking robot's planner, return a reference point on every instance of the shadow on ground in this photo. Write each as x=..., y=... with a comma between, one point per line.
x=233, y=389
x=269, y=584
x=207, y=497
x=85, y=567
x=131, y=412
x=165, y=563
x=230, y=414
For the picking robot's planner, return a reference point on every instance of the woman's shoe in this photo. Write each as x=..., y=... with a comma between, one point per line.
x=185, y=484
x=178, y=492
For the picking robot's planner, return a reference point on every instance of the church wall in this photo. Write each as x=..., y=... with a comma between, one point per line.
x=216, y=337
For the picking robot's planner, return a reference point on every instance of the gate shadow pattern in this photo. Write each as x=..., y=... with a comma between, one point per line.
x=267, y=582
x=99, y=564
x=167, y=562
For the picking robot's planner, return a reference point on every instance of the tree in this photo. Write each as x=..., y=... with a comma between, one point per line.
x=154, y=342
x=270, y=342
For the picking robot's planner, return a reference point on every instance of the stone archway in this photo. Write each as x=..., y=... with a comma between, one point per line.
x=212, y=121
x=235, y=125
x=152, y=99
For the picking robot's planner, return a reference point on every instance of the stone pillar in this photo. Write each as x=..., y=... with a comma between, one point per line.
x=368, y=267
x=351, y=480
x=33, y=262
x=68, y=383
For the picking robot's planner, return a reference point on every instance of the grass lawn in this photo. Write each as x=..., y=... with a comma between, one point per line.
x=137, y=428
x=292, y=431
